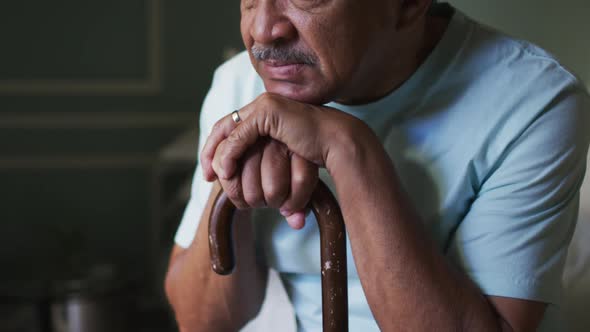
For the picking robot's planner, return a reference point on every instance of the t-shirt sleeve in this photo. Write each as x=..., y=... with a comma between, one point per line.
x=213, y=108
x=513, y=241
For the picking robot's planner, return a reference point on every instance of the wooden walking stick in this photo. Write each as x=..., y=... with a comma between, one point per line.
x=332, y=247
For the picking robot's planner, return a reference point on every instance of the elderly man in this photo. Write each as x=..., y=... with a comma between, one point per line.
x=456, y=154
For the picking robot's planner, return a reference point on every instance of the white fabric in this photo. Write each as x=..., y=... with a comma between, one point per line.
x=501, y=217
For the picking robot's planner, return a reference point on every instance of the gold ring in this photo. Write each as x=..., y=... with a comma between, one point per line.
x=235, y=116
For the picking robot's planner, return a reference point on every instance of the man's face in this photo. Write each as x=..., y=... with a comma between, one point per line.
x=316, y=51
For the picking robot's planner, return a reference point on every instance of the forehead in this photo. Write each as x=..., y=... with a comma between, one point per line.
x=313, y=4
x=353, y=10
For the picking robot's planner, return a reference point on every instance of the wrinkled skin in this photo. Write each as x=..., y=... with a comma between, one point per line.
x=348, y=54
x=356, y=62
x=352, y=52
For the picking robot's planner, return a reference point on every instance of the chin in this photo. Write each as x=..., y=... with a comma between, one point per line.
x=304, y=93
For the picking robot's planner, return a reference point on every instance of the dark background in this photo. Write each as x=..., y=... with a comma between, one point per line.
x=93, y=97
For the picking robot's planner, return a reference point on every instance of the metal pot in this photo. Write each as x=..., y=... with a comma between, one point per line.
x=98, y=303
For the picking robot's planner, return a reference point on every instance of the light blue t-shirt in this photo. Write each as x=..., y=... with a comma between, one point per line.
x=489, y=137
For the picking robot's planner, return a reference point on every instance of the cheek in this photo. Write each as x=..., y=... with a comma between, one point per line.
x=245, y=24
x=339, y=57
x=318, y=36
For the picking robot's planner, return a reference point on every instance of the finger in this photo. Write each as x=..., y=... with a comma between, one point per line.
x=236, y=144
x=234, y=191
x=232, y=186
x=251, y=178
x=296, y=220
x=276, y=173
x=219, y=132
x=304, y=178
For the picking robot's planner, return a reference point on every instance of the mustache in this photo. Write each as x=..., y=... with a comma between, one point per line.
x=283, y=54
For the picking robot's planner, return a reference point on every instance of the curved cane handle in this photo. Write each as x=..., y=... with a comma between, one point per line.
x=332, y=247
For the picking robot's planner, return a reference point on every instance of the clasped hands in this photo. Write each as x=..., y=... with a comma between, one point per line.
x=271, y=157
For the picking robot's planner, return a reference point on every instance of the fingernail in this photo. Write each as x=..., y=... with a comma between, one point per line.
x=285, y=212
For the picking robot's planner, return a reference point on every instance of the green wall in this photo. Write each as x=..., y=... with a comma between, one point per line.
x=89, y=93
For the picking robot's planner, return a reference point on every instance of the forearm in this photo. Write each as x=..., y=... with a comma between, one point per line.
x=205, y=301
x=408, y=283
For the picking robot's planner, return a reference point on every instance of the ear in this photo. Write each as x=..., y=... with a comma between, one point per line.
x=411, y=12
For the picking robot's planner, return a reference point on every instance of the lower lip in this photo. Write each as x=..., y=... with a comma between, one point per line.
x=286, y=72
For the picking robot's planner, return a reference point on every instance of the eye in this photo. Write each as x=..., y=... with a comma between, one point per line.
x=307, y=4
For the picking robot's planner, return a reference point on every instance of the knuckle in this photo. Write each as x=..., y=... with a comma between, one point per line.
x=217, y=126
x=298, y=201
x=289, y=205
x=221, y=153
x=215, y=166
x=278, y=159
x=275, y=194
x=268, y=99
x=265, y=97
x=234, y=138
x=278, y=149
x=300, y=179
x=253, y=197
x=304, y=177
x=233, y=191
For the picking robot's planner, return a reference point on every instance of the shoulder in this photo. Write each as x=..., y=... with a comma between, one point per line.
x=505, y=92
x=516, y=82
x=507, y=57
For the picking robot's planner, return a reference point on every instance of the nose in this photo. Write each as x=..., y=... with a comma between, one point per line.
x=270, y=24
